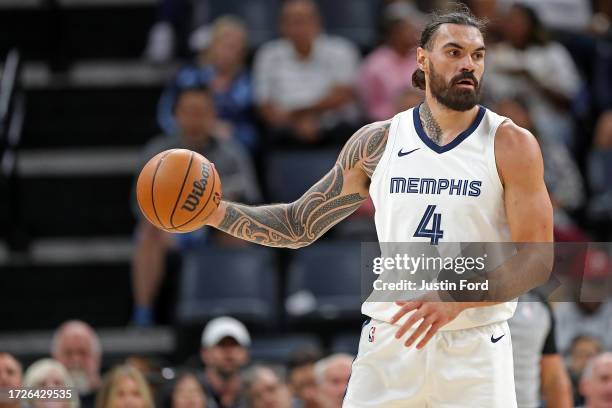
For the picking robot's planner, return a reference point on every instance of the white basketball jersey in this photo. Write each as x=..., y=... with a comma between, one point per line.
x=419, y=187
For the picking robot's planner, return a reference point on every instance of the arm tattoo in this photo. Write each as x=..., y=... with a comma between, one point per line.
x=432, y=129
x=300, y=223
x=366, y=147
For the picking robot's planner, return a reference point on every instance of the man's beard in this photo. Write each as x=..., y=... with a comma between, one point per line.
x=226, y=373
x=451, y=96
x=80, y=380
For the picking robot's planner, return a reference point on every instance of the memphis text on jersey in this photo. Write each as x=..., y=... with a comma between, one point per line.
x=416, y=185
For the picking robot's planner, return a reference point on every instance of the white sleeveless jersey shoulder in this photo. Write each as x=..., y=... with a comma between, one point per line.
x=458, y=181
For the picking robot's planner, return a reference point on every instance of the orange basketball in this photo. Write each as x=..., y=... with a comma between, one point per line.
x=178, y=189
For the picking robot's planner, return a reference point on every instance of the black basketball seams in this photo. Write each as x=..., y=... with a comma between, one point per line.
x=212, y=190
x=153, y=186
x=178, y=197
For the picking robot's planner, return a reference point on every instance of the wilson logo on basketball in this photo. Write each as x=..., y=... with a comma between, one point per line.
x=193, y=199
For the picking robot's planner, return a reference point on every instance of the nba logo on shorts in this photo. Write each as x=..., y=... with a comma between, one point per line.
x=371, y=334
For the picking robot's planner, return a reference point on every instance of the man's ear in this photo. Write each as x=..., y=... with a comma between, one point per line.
x=421, y=58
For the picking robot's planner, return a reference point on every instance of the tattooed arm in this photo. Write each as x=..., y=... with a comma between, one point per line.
x=339, y=193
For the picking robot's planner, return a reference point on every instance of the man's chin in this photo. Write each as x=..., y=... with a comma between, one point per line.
x=226, y=372
x=459, y=107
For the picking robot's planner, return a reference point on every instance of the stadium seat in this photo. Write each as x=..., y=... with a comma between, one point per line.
x=352, y=19
x=324, y=283
x=346, y=343
x=240, y=282
x=278, y=349
x=291, y=173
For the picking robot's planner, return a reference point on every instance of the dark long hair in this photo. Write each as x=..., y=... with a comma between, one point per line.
x=459, y=14
x=537, y=32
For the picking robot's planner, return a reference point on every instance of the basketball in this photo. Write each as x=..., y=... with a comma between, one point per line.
x=178, y=189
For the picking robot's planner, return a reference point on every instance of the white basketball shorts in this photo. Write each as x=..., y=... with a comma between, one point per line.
x=471, y=368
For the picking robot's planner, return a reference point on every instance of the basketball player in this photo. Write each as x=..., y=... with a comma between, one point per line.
x=464, y=356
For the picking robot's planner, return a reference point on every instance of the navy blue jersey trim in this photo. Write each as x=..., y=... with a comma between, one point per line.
x=460, y=138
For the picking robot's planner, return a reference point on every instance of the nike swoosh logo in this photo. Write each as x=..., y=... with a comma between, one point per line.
x=401, y=154
x=495, y=340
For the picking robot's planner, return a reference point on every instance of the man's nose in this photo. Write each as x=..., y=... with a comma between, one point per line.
x=467, y=64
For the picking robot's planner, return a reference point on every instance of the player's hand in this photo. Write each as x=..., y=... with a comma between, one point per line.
x=434, y=312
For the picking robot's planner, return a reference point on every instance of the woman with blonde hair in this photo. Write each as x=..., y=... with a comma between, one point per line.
x=188, y=392
x=51, y=381
x=124, y=387
x=220, y=67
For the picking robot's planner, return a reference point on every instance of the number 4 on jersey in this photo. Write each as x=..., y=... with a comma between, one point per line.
x=434, y=233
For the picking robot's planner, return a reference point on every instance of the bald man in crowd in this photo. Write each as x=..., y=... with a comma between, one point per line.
x=77, y=346
x=11, y=376
x=332, y=375
x=596, y=383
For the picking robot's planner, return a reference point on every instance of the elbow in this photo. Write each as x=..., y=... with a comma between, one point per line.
x=536, y=258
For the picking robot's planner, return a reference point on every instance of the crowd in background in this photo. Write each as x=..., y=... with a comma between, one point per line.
x=549, y=69
x=308, y=90
x=225, y=376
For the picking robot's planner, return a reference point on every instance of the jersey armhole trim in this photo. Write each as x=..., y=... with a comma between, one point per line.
x=491, y=159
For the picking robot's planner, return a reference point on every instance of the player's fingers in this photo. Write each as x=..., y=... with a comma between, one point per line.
x=416, y=316
x=432, y=330
x=419, y=331
x=406, y=306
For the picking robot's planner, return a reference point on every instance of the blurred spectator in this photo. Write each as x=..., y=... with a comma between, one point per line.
x=484, y=9
x=167, y=36
x=219, y=67
x=596, y=383
x=387, y=71
x=571, y=15
x=602, y=18
x=600, y=204
x=304, y=81
x=408, y=98
x=151, y=369
x=539, y=372
x=77, y=346
x=264, y=388
x=582, y=349
x=11, y=376
x=301, y=376
x=587, y=318
x=49, y=373
x=603, y=131
x=124, y=387
x=426, y=6
x=561, y=175
x=521, y=65
x=196, y=117
x=225, y=350
x=145, y=365
x=332, y=375
x=188, y=392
